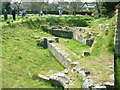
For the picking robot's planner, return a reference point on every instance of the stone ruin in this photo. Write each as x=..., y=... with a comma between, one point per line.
x=60, y=54
x=117, y=33
x=62, y=78
x=72, y=32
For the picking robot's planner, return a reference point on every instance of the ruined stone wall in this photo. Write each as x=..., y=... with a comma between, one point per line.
x=82, y=39
x=60, y=33
x=117, y=33
x=60, y=55
x=117, y=48
x=70, y=34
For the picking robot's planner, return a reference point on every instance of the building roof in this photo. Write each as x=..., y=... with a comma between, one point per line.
x=89, y=5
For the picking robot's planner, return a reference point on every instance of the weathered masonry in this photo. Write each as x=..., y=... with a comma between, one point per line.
x=83, y=39
x=59, y=51
x=71, y=64
x=71, y=34
x=117, y=47
x=117, y=33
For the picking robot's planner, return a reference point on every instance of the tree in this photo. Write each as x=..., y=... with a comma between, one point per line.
x=17, y=3
x=38, y=6
x=46, y=6
x=97, y=7
x=75, y=6
x=0, y=7
x=107, y=8
x=6, y=5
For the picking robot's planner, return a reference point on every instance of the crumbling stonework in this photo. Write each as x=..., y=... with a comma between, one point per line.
x=117, y=47
x=83, y=39
x=71, y=34
x=117, y=33
x=60, y=54
x=62, y=78
x=60, y=33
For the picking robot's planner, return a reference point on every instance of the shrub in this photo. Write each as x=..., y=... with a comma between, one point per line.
x=8, y=21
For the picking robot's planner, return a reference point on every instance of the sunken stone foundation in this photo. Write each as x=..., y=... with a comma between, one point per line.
x=70, y=34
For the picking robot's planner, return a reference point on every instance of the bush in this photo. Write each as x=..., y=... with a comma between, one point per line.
x=84, y=13
x=8, y=21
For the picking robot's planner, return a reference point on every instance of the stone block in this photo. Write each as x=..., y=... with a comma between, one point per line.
x=56, y=39
x=66, y=28
x=86, y=53
x=59, y=78
x=54, y=27
x=66, y=71
x=43, y=77
x=89, y=42
x=88, y=83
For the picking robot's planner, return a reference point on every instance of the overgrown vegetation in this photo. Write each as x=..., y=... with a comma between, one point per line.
x=22, y=58
x=117, y=73
x=21, y=53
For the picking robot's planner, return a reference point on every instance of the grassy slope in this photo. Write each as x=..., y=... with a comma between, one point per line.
x=22, y=58
x=102, y=52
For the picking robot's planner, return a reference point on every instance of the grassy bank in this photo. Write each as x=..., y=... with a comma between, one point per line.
x=102, y=51
x=22, y=58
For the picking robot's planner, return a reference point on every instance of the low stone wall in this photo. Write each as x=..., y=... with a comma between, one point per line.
x=117, y=33
x=60, y=54
x=60, y=33
x=62, y=78
x=83, y=39
x=70, y=34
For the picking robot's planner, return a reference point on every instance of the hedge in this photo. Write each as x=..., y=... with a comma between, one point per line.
x=57, y=12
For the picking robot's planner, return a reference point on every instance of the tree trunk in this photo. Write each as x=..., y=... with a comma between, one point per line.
x=74, y=12
x=98, y=9
x=18, y=10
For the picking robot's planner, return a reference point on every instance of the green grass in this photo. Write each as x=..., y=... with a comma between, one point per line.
x=22, y=58
x=74, y=45
x=117, y=73
x=81, y=21
x=96, y=22
x=105, y=42
x=102, y=52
